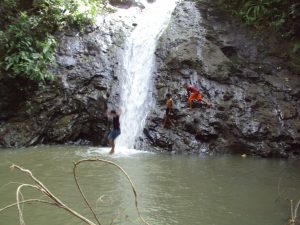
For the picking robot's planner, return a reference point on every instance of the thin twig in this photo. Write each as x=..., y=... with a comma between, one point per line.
x=292, y=213
x=296, y=210
x=18, y=194
x=82, y=194
x=26, y=201
x=58, y=202
x=124, y=172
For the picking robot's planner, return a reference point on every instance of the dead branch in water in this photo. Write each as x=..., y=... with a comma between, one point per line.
x=82, y=194
x=26, y=201
x=294, y=212
x=45, y=191
x=118, y=167
x=39, y=186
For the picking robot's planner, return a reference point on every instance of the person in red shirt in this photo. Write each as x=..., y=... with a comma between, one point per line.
x=194, y=95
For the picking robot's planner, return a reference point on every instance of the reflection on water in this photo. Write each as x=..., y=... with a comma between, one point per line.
x=172, y=189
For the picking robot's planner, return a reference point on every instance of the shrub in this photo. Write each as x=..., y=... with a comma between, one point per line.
x=25, y=53
x=281, y=15
x=27, y=44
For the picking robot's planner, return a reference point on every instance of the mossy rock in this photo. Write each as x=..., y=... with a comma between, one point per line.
x=64, y=121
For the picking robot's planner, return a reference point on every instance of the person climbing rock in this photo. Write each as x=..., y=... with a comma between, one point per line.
x=115, y=132
x=194, y=95
x=169, y=111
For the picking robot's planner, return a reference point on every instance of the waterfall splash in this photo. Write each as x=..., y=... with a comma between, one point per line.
x=137, y=68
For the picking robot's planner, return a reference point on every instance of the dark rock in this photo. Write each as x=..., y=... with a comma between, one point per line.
x=71, y=109
x=229, y=51
x=227, y=96
x=253, y=105
x=251, y=75
x=122, y=3
x=254, y=93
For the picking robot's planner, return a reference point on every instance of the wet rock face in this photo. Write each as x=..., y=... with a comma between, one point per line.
x=73, y=108
x=253, y=89
x=254, y=95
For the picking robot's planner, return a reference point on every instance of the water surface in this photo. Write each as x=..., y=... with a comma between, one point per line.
x=172, y=189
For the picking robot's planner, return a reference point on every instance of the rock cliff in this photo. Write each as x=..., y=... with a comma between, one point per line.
x=254, y=89
x=72, y=109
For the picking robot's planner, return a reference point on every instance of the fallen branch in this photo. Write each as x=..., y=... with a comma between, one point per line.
x=18, y=194
x=26, y=201
x=56, y=201
x=41, y=187
x=121, y=169
x=82, y=194
x=294, y=212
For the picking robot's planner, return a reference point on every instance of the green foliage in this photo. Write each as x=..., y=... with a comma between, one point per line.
x=8, y=5
x=26, y=55
x=296, y=46
x=281, y=15
x=27, y=44
x=7, y=9
x=254, y=11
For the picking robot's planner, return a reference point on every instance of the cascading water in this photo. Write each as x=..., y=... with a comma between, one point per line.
x=137, y=68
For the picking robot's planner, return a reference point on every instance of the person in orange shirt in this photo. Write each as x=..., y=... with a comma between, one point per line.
x=169, y=111
x=194, y=94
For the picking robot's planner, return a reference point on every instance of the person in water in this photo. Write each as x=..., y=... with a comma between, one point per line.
x=115, y=132
x=169, y=111
x=194, y=95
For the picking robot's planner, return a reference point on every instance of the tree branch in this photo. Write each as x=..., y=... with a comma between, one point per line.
x=27, y=201
x=124, y=172
x=45, y=191
x=82, y=194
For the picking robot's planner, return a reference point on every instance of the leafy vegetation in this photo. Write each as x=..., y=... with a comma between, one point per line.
x=281, y=15
x=27, y=44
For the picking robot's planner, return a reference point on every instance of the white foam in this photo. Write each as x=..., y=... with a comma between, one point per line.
x=104, y=151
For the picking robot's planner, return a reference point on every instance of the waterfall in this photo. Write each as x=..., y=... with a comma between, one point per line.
x=136, y=69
